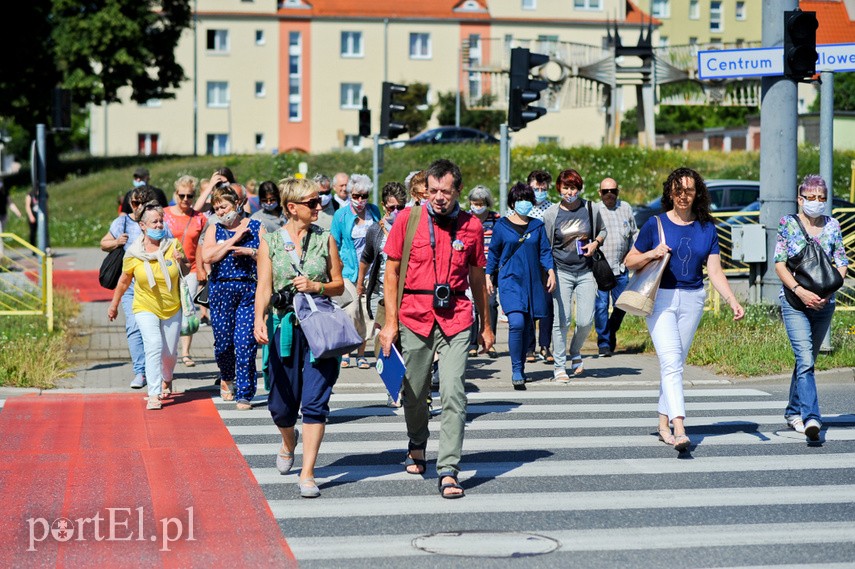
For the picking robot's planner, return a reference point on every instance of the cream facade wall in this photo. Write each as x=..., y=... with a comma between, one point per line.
x=679, y=28
x=558, y=10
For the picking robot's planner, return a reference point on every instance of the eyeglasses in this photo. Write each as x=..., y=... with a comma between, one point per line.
x=612, y=191
x=814, y=198
x=135, y=203
x=399, y=207
x=311, y=204
x=359, y=196
x=186, y=196
x=683, y=191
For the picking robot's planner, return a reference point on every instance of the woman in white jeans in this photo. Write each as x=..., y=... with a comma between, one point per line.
x=154, y=261
x=690, y=236
x=568, y=228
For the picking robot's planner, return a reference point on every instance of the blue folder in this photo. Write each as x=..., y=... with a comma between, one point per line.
x=392, y=370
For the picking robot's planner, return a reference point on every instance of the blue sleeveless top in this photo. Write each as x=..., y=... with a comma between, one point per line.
x=237, y=266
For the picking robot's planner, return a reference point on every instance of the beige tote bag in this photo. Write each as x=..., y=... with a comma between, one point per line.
x=640, y=293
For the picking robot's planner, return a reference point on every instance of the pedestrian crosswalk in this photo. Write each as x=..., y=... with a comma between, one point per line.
x=574, y=477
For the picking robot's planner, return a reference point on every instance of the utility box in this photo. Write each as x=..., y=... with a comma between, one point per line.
x=749, y=243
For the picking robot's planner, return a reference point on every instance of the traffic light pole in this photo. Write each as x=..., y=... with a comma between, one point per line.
x=377, y=169
x=778, y=151
x=41, y=161
x=826, y=155
x=504, y=168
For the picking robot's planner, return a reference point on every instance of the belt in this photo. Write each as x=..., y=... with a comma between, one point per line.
x=430, y=292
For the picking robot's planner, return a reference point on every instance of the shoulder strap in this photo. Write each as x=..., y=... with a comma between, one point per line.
x=591, y=219
x=661, y=230
x=412, y=226
x=517, y=245
x=801, y=226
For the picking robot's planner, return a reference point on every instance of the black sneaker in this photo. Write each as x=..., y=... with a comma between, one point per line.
x=605, y=353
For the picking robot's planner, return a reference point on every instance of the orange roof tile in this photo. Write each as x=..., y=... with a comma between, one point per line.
x=389, y=9
x=635, y=15
x=835, y=24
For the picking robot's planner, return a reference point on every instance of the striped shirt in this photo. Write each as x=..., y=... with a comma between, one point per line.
x=622, y=231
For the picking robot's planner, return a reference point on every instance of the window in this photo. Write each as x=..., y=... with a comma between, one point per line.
x=351, y=44
x=351, y=95
x=740, y=11
x=661, y=8
x=259, y=37
x=547, y=140
x=292, y=3
x=151, y=103
x=295, y=77
x=147, y=143
x=664, y=41
x=218, y=40
x=352, y=141
x=218, y=94
x=420, y=46
x=694, y=10
x=588, y=4
x=217, y=144
x=547, y=44
x=693, y=40
x=260, y=91
x=259, y=140
x=715, y=16
x=529, y=4
x=474, y=61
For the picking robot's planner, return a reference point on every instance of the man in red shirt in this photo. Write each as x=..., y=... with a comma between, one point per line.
x=446, y=258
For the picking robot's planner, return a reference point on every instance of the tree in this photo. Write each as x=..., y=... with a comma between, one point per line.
x=92, y=48
x=482, y=118
x=418, y=111
x=677, y=119
x=844, y=93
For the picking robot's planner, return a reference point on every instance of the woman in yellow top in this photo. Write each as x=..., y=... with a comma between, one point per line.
x=154, y=261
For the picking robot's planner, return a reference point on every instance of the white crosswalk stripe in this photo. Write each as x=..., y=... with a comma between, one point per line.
x=581, y=468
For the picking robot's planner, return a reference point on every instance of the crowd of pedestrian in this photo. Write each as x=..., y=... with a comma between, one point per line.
x=430, y=274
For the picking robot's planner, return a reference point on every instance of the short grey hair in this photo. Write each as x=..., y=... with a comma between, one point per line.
x=482, y=194
x=409, y=178
x=321, y=180
x=359, y=182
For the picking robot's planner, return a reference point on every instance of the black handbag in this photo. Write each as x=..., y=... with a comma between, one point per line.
x=111, y=266
x=813, y=270
x=599, y=264
x=201, y=297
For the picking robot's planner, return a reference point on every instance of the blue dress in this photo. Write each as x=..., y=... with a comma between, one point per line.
x=519, y=281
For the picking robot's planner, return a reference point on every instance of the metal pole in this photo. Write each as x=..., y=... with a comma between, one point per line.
x=457, y=94
x=376, y=168
x=195, y=79
x=41, y=155
x=826, y=156
x=778, y=151
x=504, y=168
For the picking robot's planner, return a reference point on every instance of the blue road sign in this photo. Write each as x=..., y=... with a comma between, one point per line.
x=769, y=61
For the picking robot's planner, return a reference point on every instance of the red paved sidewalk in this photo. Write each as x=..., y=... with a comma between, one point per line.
x=179, y=492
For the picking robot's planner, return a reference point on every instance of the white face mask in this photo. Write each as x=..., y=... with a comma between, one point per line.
x=325, y=199
x=229, y=217
x=813, y=209
x=570, y=198
x=479, y=210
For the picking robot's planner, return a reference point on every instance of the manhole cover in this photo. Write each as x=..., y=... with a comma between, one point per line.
x=486, y=544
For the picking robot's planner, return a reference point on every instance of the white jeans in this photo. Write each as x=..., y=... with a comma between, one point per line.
x=672, y=326
x=160, y=340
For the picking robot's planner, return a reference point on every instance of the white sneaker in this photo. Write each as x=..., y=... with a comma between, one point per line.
x=138, y=382
x=812, y=428
x=795, y=423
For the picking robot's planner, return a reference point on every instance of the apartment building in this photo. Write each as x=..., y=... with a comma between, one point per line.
x=267, y=76
x=701, y=22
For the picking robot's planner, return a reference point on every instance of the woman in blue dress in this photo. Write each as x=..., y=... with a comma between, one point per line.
x=519, y=255
x=231, y=247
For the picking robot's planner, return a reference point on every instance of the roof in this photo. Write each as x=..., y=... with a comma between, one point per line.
x=635, y=15
x=835, y=23
x=393, y=9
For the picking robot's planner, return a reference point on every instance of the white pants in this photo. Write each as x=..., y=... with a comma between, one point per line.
x=160, y=341
x=672, y=327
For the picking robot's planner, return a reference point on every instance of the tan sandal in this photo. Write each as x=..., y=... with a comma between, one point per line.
x=666, y=437
x=226, y=391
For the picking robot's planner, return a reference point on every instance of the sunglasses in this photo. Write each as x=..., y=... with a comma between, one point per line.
x=399, y=207
x=612, y=191
x=359, y=196
x=683, y=191
x=822, y=199
x=186, y=196
x=311, y=204
x=135, y=203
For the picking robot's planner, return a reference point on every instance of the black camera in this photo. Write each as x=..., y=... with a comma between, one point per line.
x=222, y=184
x=282, y=299
x=441, y=296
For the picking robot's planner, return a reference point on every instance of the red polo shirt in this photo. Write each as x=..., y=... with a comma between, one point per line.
x=417, y=312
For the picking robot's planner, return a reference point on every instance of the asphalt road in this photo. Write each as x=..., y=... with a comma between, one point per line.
x=575, y=477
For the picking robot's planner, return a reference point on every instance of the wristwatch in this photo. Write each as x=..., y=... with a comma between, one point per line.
x=795, y=287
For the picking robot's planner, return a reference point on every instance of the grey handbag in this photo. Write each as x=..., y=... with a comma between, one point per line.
x=639, y=295
x=328, y=329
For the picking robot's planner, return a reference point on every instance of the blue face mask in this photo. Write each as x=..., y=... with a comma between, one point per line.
x=270, y=207
x=523, y=207
x=156, y=234
x=540, y=196
x=139, y=183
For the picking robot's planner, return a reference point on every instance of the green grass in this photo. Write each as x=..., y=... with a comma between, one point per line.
x=757, y=345
x=31, y=356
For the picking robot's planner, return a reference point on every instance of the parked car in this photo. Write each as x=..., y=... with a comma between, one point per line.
x=755, y=206
x=725, y=195
x=447, y=134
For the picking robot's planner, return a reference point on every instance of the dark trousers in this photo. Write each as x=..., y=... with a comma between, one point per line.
x=544, y=333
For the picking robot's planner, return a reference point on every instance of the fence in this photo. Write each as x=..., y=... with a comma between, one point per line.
x=26, y=279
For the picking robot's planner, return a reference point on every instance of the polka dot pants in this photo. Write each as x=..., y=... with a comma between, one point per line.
x=232, y=320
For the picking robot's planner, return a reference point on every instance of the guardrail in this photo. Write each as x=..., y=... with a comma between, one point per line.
x=26, y=279
x=846, y=216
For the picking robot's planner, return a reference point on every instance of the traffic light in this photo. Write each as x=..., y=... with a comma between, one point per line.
x=523, y=90
x=800, y=44
x=364, y=118
x=390, y=129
